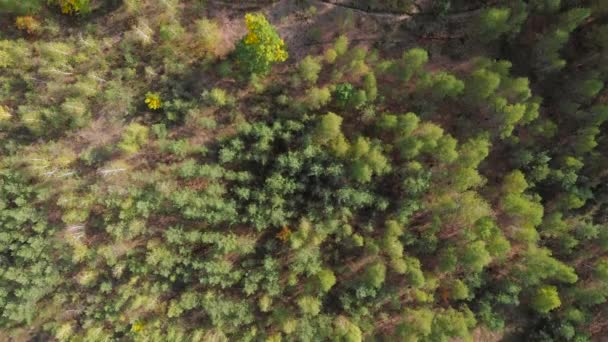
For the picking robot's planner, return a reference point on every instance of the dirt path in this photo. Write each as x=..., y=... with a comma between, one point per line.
x=310, y=33
x=382, y=14
x=307, y=33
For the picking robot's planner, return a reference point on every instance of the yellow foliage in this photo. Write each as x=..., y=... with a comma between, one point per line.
x=153, y=101
x=252, y=26
x=67, y=6
x=71, y=7
x=28, y=24
x=137, y=327
x=284, y=234
x=251, y=38
x=208, y=36
x=64, y=332
x=257, y=25
x=4, y=113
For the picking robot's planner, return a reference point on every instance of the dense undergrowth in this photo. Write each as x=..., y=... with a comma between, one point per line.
x=159, y=182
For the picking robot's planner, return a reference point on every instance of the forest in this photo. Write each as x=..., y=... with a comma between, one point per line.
x=304, y=170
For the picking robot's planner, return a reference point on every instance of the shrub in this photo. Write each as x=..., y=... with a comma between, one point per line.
x=76, y=112
x=344, y=93
x=370, y=86
x=153, y=100
x=216, y=97
x=341, y=45
x=492, y=23
x=374, y=275
x=326, y=279
x=208, y=36
x=309, y=69
x=309, y=305
x=28, y=24
x=413, y=61
x=5, y=114
x=546, y=299
x=72, y=7
x=317, y=97
x=133, y=138
x=330, y=55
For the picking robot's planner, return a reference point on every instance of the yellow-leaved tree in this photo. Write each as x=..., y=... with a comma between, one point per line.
x=72, y=7
x=261, y=47
x=153, y=100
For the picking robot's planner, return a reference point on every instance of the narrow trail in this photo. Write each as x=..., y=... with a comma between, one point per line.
x=379, y=26
x=404, y=15
x=384, y=14
x=244, y=7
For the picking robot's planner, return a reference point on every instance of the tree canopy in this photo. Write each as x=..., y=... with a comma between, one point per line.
x=303, y=171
